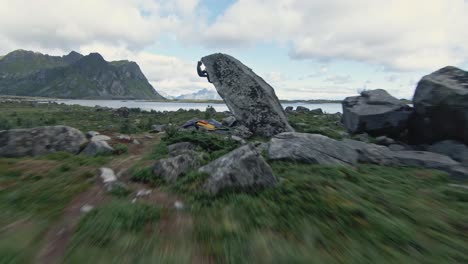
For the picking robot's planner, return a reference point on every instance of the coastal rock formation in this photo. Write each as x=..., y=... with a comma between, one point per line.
x=375, y=112
x=242, y=168
x=249, y=98
x=40, y=141
x=441, y=107
x=310, y=148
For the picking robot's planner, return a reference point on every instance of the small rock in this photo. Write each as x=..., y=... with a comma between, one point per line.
x=107, y=175
x=383, y=140
x=91, y=134
x=172, y=168
x=148, y=137
x=158, y=128
x=317, y=111
x=124, y=138
x=136, y=142
x=143, y=192
x=86, y=208
x=100, y=138
x=242, y=131
x=95, y=148
x=178, y=205
x=396, y=147
x=229, y=121
x=239, y=139
x=289, y=109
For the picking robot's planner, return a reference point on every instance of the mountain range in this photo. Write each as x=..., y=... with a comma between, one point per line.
x=204, y=94
x=73, y=76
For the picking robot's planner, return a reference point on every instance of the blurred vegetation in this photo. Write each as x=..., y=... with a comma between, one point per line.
x=317, y=214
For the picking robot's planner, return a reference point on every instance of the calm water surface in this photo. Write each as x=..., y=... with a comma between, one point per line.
x=172, y=106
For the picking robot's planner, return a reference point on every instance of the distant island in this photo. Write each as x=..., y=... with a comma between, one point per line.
x=73, y=76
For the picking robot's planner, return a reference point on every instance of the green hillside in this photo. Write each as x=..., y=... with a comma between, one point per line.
x=27, y=73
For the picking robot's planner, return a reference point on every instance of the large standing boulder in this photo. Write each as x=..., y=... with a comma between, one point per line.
x=249, y=98
x=441, y=107
x=243, y=168
x=310, y=148
x=40, y=141
x=375, y=112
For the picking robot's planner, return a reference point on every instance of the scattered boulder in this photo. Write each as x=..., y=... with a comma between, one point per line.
x=100, y=138
x=310, y=148
x=249, y=98
x=383, y=140
x=243, y=168
x=454, y=149
x=229, y=121
x=121, y=112
x=242, y=132
x=40, y=141
x=302, y=109
x=371, y=153
x=396, y=147
x=158, y=128
x=432, y=161
x=95, y=148
x=289, y=109
x=441, y=107
x=180, y=148
x=375, y=112
x=317, y=111
x=171, y=169
x=107, y=175
x=91, y=134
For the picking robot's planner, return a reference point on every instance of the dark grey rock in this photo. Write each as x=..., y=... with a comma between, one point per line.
x=158, y=128
x=243, y=168
x=310, y=148
x=289, y=109
x=121, y=112
x=375, y=112
x=40, y=141
x=386, y=141
x=441, y=107
x=317, y=111
x=91, y=134
x=432, y=161
x=454, y=149
x=371, y=153
x=249, y=98
x=397, y=147
x=95, y=148
x=180, y=148
x=302, y=109
x=229, y=121
x=242, y=132
x=172, y=168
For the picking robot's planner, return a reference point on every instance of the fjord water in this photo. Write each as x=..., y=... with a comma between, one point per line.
x=174, y=106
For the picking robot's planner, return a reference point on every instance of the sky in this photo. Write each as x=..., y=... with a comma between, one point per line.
x=306, y=49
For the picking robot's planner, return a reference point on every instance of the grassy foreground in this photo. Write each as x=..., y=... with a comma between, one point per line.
x=318, y=214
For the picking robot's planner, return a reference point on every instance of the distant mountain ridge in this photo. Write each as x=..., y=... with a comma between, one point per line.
x=73, y=76
x=204, y=94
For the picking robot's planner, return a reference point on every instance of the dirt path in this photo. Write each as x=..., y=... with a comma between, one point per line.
x=176, y=225
x=57, y=237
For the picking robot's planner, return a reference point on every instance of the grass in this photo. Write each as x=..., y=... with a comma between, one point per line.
x=317, y=214
x=323, y=214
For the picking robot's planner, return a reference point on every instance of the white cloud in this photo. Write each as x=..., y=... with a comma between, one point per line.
x=339, y=79
x=400, y=34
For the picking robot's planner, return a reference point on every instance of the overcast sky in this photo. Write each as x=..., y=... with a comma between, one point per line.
x=306, y=49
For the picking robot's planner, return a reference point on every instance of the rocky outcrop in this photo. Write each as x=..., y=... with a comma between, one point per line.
x=441, y=107
x=310, y=148
x=249, y=98
x=243, y=168
x=172, y=168
x=40, y=141
x=375, y=112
